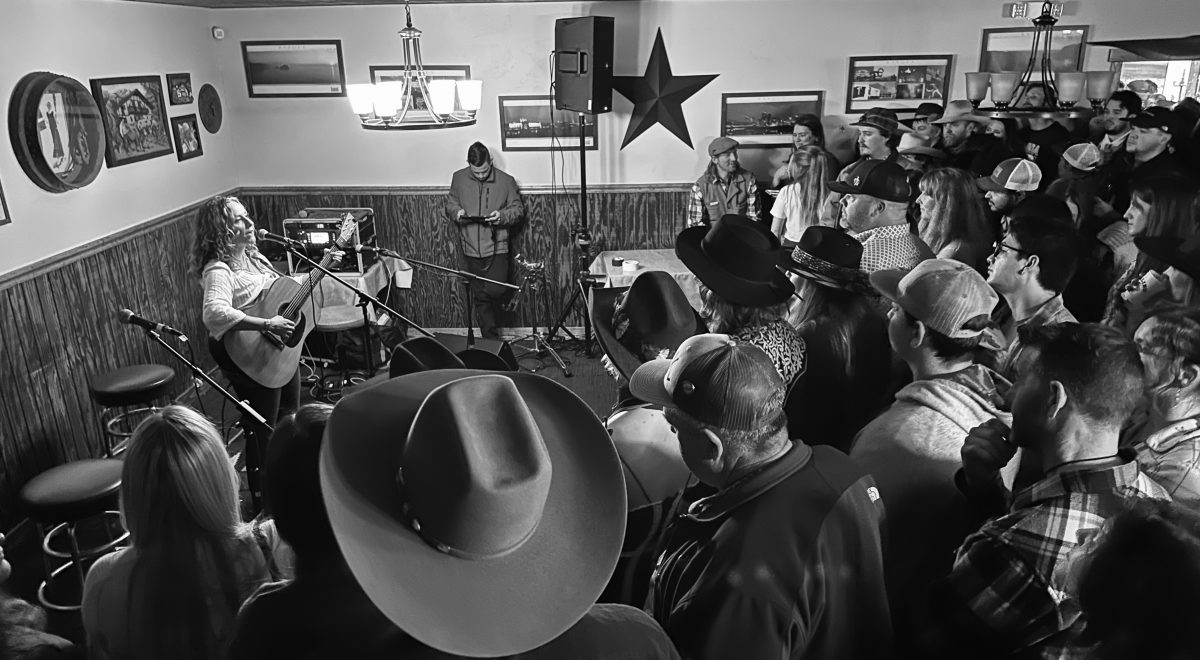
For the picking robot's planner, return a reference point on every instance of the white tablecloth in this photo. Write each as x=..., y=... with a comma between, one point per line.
x=664, y=260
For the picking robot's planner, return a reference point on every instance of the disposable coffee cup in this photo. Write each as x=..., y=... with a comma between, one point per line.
x=629, y=266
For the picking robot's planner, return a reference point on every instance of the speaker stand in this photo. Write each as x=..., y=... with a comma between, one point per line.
x=583, y=241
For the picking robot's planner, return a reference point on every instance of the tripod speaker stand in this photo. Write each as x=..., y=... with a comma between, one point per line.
x=532, y=283
x=583, y=242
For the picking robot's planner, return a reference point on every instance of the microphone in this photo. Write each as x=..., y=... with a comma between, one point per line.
x=129, y=318
x=371, y=249
x=263, y=234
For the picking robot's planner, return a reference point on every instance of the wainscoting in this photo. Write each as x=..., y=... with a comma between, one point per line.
x=58, y=316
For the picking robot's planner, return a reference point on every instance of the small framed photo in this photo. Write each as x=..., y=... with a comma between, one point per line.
x=135, y=118
x=531, y=123
x=764, y=119
x=186, y=130
x=309, y=68
x=1007, y=49
x=899, y=82
x=391, y=73
x=4, y=217
x=179, y=88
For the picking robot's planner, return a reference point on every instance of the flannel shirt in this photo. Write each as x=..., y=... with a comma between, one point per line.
x=1051, y=312
x=891, y=246
x=1172, y=460
x=1007, y=582
x=710, y=199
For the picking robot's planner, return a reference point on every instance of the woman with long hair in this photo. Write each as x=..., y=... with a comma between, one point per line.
x=1008, y=131
x=798, y=205
x=953, y=221
x=175, y=592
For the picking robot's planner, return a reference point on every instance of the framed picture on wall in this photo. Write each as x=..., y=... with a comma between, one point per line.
x=764, y=119
x=179, y=88
x=4, y=219
x=186, y=130
x=135, y=118
x=899, y=82
x=294, y=68
x=390, y=73
x=1007, y=49
x=530, y=123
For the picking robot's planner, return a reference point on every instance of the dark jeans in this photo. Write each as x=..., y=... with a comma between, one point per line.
x=488, y=298
x=273, y=403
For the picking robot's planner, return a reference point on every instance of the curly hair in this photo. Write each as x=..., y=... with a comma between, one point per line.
x=213, y=237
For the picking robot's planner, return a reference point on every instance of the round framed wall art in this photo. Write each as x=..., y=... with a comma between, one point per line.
x=209, y=103
x=56, y=131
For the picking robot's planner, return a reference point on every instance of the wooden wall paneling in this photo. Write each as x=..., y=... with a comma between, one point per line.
x=62, y=376
x=19, y=455
x=43, y=382
x=73, y=292
x=26, y=394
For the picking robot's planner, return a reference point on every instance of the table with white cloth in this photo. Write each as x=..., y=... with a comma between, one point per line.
x=337, y=304
x=665, y=260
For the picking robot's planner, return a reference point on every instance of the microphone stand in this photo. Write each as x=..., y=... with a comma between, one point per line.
x=252, y=449
x=467, y=278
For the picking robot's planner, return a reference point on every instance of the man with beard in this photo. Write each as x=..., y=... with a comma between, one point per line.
x=969, y=148
x=1008, y=184
x=1046, y=139
x=1121, y=107
x=724, y=188
x=1007, y=594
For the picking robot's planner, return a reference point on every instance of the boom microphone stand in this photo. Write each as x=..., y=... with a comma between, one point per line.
x=583, y=241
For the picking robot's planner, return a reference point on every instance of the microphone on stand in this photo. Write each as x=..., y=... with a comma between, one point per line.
x=127, y=317
x=264, y=235
x=371, y=249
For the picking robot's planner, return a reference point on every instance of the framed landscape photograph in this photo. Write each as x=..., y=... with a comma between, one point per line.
x=527, y=124
x=899, y=82
x=308, y=68
x=179, y=88
x=186, y=130
x=764, y=119
x=1007, y=49
x=391, y=73
x=135, y=118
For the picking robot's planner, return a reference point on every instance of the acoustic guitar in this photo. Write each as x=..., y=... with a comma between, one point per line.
x=267, y=359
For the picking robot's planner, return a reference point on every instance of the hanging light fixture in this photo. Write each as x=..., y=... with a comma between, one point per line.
x=1063, y=89
x=391, y=105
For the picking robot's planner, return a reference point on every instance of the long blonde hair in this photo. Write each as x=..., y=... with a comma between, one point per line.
x=958, y=212
x=179, y=500
x=213, y=237
x=809, y=170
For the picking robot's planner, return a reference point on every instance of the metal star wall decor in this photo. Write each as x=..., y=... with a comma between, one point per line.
x=658, y=95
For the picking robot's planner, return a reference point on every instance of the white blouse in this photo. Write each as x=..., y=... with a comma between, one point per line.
x=227, y=289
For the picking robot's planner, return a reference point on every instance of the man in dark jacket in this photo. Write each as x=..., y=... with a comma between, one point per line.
x=963, y=139
x=1148, y=156
x=485, y=203
x=776, y=553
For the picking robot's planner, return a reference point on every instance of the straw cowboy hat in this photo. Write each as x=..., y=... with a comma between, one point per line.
x=654, y=311
x=735, y=258
x=482, y=513
x=830, y=257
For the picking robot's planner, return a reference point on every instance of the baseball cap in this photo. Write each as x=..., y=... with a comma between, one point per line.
x=1083, y=156
x=929, y=110
x=1164, y=119
x=1013, y=174
x=941, y=293
x=714, y=380
x=877, y=178
x=721, y=145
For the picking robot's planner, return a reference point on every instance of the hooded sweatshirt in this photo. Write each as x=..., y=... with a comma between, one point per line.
x=913, y=450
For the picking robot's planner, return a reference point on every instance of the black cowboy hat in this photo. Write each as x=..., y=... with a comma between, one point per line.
x=421, y=354
x=1183, y=256
x=827, y=256
x=657, y=312
x=735, y=258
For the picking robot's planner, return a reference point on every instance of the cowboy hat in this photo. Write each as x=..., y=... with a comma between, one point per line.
x=960, y=111
x=653, y=310
x=482, y=513
x=1183, y=256
x=735, y=258
x=911, y=143
x=421, y=354
x=828, y=256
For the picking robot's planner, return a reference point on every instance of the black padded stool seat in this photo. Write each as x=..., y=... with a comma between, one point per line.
x=127, y=386
x=73, y=491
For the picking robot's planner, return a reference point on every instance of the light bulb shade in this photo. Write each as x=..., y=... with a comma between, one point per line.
x=1003, y=86
x=1070, y=86
x=977, y=85
x=1099, y=84
x=362, y=98
x=470, y=95
x=388, y=97
x=441, y=96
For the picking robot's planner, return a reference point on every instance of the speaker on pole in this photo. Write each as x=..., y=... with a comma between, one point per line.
x=583, y=64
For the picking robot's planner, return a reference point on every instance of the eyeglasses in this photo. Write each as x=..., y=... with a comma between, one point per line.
x=999, y=246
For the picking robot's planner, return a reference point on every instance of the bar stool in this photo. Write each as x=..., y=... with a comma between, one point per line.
x=68, y=499
x=344, y=318
x=140, y=385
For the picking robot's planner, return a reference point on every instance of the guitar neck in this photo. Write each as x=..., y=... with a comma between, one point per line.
x=310, y=283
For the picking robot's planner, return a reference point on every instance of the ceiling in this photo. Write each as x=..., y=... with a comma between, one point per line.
x=242, y=4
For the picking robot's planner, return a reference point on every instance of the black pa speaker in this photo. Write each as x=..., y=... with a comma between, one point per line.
x=583, y=64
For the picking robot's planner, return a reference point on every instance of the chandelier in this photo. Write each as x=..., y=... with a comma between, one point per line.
x=1063, y=89
x=393, y=105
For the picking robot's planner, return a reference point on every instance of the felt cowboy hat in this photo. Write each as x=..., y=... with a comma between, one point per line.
x=960, y=111
x=421, y=354
x=882, y=119
x=1183, y=256
x=482, y=513
x=830, y=257
x=911, y=143
x=735, y=258
x=653, y=311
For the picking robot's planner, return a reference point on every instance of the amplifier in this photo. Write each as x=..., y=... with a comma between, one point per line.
x=317, y=229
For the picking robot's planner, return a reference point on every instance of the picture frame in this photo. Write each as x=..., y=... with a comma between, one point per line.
x=307, y=68
x=135, y=118
x=5, y=218
x=1007, y=49
x=59, y=132
x=765, y=119
x=531, y=123
x=179, y=88
x=391, y=72
x=186, y=131
x=898, y=82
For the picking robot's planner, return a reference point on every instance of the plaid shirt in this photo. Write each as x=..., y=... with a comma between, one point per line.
x=891, y=246
x=1007, y=582
x=1051, y=312
x=710, y=198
